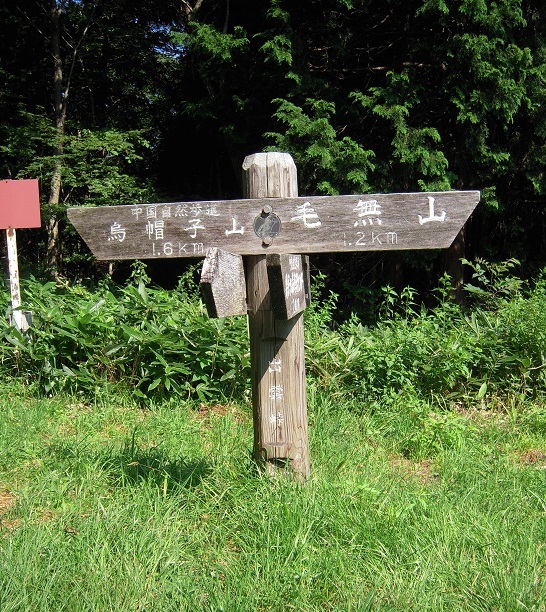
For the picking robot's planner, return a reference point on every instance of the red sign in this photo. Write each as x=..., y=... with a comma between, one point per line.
x=19, y=204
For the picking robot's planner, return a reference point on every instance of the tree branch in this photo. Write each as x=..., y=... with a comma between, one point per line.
x=190, y=11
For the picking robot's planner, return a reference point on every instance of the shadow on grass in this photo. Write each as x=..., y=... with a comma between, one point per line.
x=154, y=466
x=131, y=465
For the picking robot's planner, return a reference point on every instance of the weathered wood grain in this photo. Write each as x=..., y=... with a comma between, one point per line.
x=288, y=284
x=279, y=395
x=223, y=284
x=371, y=222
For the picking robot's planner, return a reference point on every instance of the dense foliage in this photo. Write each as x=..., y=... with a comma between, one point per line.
x=109, y=101
x=156, y=344
x=151, y=342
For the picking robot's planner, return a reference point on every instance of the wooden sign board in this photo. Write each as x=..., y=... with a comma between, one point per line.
x=289, y=284
x=379, y=222
x=19, y=204
x=275, y=233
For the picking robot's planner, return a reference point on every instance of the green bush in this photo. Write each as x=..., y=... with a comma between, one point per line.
x=444, y=351
x=157, y=344
x=523, y=330
x=149, y=341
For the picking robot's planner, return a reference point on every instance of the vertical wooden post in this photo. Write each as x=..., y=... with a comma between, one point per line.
x=279, y=394
x=17, y=314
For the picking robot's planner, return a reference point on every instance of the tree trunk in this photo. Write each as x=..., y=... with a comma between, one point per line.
x=59, y=102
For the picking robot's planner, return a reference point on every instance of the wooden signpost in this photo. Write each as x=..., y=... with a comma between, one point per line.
x=19, y=208
x=265, y=238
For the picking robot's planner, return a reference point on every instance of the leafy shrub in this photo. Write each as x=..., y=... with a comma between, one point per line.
x=443, y=351
x=523, y=330
x=150, y=341
x=493, y=282
x=158, y=343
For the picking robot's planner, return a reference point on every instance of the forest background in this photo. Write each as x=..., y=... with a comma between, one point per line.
x=113, y=102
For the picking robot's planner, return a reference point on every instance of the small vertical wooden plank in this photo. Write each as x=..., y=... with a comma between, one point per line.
x=223, y=284
x=279, y=395
x=288, y=285
x=17, y=314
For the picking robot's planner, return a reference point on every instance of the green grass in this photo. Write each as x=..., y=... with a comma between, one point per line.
x=112, y=507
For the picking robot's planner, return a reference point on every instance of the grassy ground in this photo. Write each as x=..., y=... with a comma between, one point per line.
x=111, y=507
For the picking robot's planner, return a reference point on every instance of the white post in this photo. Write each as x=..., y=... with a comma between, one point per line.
x=18, y=315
